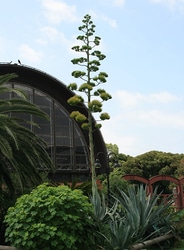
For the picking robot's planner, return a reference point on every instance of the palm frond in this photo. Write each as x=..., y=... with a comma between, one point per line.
x=21, y=151
x=7, y=77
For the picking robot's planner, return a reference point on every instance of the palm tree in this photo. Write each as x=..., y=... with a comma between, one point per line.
x=22, y=153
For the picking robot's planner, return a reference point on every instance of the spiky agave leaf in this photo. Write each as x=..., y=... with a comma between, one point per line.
x=137, y=218
x=143, y=213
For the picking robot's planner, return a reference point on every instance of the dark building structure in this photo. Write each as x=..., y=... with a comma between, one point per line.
x=67, y=142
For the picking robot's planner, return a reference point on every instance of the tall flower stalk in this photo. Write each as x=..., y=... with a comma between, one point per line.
x=89, y=60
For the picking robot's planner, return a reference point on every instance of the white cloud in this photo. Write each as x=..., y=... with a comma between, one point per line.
x=171, y=4
x=93, y=14
x=41, y=41
x=124, y=142
x=110, y=21
x=160, y=119
x=29, y=54
x=155, y=109
x=119, y=2
x=53, y=35
x=162, y=97
x=101, y=17
x=128, y=99
x=58, y=11
x=140, y=122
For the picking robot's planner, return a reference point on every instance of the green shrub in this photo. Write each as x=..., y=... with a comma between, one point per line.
x=51, y=217
x=178, y=219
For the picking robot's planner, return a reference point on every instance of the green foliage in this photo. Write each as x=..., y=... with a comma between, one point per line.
x=85, y=86
x=137, y=218
x=84, y=186
x=155, y=162
x=51, y=217
x=100, y=208
x=112, y=148
x=78, y=116
x=95, y=106
x=98, y=125
x=72, y=86
x=116, y=183
x=21, y=151
x=75, y=100
x=179, y=216
x=102, y=215
x=178, y=219
x=146, y=216
x=90, y=59
x=6, y=201
x=85, y=126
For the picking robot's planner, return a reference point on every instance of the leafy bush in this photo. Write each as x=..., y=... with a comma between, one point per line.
x=179, y=222
x=51, y=217
x=116, y=183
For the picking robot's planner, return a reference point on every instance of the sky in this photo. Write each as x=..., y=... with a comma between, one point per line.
x=143, y=41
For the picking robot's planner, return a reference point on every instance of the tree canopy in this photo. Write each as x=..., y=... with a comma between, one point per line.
x=155, y=162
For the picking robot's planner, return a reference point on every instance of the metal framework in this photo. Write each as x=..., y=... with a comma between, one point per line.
x=67, y=142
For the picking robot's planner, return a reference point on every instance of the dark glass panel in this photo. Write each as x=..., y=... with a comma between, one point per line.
x=43, y=129
x=59, y=111
x=41, y=121
x=62, y=121
x=66, y=144
x=41, y=100
x=26, y=89
x=62, y=131
x=47, y=139
x=63, y=141
x=47, y=110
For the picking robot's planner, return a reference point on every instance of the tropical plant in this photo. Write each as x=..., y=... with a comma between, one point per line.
x=135, y=217
x=90, y=61
x=51, y=217
x=102, y=215
x=146, y=213
x=21, y=151
x=178, y=219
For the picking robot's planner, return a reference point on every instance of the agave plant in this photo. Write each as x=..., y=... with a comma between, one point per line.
x=102, y=216
x=135, y=218
x=147, y=210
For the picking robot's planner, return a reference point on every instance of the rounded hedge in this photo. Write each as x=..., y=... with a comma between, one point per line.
x=51, y=217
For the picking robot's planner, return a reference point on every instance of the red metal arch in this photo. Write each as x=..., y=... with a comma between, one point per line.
x=179, y=199
x=164, y=178
x=130, y=177
x=182, y=180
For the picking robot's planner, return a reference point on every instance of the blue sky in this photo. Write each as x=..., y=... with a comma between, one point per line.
x=144, y=44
